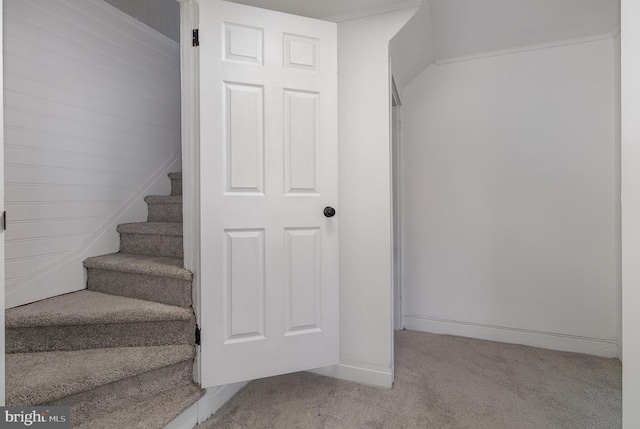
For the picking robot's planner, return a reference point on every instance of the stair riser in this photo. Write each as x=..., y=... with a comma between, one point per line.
x=158, y=412
x=98, y=336
x=164, y=213
x=176, y=187
x=110, y=397
x=166, y=290
x=154, y=245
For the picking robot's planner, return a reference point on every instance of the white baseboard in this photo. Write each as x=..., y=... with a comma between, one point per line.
x=213, y=399
x=619, y=350
x=357, y=374
x=187, y=420
x=544, y=340
x=216, y=397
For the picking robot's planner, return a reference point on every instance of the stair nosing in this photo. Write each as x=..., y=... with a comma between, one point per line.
x=92, y=323
x=174, y=272
x=164, y=199
x=146, y=228
x=165, y=312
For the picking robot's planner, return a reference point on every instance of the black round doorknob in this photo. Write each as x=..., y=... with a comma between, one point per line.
x=329, y=211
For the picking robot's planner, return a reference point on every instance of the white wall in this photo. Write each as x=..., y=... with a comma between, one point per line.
x=413, y=47
x=630, y=33
x=618, y=128
x=366, y=335
x=92, y=125
x=510, y=197
x=161, y=15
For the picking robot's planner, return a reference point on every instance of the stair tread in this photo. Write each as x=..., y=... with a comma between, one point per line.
x=163, y=199
x=152, y=413
x=140, y=264
x=87, y=307
x=151, y=228
x=36, y=378
x=175, y=175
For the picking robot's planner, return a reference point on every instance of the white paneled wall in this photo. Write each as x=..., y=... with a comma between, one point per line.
x=162, y=15
x=92, y=124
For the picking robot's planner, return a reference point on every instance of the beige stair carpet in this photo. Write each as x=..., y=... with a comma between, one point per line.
x=40, y=377
x=119, y=354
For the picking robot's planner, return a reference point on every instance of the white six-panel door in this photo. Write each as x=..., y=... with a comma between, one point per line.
x=268, y=164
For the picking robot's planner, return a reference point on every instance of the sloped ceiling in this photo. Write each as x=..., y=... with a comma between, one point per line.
x=413, y=48
x=456, y=28
x=465, y=27
x=444, y=29
x=332, y=10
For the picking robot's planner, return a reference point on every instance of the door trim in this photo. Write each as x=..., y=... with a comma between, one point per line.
x=396, y=206
x=190, y=110
x=2, y=234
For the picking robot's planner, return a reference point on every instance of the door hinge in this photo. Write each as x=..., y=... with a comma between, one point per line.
x=197, y=336
x=3, y=221
x=195, y=37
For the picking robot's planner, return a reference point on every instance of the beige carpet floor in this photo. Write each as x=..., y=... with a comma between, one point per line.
x=442, y=382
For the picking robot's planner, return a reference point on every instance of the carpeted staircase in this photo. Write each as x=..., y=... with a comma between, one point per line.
x=120, y=353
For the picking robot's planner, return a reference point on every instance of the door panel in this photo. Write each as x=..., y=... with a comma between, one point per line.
x=244, y=119
x=244, y=285
x=268, y=162
x=303, y=280
x=301, y=141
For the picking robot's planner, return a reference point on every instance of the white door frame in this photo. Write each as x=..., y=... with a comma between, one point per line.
x=2, y=234
x=396, y=206
x=630, y=158
x=190, y=145
x=395, y=291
